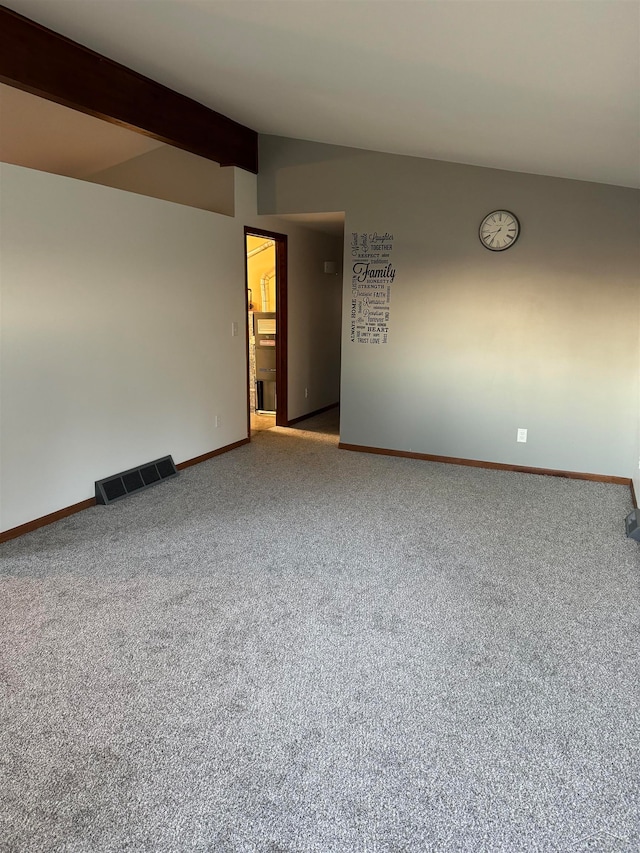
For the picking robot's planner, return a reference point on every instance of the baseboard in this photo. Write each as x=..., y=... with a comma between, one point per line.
x=198, y=459
x=497, y=466
x=633, y=494
x=30, y=526
x=312, y=414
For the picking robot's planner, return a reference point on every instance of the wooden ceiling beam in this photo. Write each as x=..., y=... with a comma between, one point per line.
x=44, y=63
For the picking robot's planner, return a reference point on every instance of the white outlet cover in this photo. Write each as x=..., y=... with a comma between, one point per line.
x=522, y=434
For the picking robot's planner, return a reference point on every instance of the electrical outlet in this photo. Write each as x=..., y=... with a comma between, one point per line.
x=306, y=392
x=522, y=434
x=234, y=330
x=216, y=421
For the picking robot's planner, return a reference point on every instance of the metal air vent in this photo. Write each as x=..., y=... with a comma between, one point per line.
x=134, y=480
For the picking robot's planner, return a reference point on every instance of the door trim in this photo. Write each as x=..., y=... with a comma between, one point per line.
x=282, y=327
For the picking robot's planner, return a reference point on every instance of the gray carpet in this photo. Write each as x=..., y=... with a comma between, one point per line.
x=292, y=648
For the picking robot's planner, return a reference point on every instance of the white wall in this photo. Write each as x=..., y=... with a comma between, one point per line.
x=543, y=336
x=116, y=336
x=116, y=343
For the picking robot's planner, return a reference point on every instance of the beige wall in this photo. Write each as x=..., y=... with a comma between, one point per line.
x=258, y=266
x=174, y=175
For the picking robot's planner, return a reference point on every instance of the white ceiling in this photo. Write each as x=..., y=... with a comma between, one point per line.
x=544, y=86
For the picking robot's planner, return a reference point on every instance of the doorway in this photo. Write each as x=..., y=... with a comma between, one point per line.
x=266, y=296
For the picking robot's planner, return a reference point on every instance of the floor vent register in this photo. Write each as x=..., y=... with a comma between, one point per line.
x=134, y=480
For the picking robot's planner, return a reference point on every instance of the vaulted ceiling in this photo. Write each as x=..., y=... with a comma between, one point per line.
x=542, y=86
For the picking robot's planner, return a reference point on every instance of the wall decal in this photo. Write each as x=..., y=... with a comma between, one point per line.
x=371, y=278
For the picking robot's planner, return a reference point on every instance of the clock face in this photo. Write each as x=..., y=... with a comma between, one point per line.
x=499, y=230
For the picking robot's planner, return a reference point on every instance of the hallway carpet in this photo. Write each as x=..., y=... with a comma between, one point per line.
x=292, y=648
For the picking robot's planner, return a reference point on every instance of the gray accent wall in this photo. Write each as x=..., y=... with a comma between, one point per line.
x=544, y=336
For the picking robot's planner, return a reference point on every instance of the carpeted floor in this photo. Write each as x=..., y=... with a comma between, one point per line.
x=292, y=648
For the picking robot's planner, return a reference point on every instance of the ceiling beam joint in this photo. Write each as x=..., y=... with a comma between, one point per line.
x=44, y=63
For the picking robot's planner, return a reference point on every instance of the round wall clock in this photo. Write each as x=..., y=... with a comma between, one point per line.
x=499, y=230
